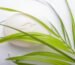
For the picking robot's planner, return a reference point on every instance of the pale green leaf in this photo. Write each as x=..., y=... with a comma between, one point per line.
x=65, y=34
x=21, y=63
x=46, y=57
x=73, y=22
x=32, y=17
x=8, y=9
x=44, y=37
x=42, y=42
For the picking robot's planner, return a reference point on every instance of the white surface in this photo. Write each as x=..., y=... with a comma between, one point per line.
x=26, y=24
x=37, y=10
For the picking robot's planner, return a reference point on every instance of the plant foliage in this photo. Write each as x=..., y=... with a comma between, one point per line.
x=64, y=52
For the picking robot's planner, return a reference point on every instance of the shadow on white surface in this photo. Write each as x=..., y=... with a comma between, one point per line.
x=8, y=50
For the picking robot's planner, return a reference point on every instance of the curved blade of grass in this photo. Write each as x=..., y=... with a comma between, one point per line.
x=50, y=6
x=20, y=63
x=54, y=28
x=61, y=37
x=42, y=42
x=73, y=21
x=43, y=59
x=50, y=54
x=48, y=57
x=69, y=45
x=32, y=17
x=18, y=36
x=47, y=38
x=65, y=34
x=56, y=31
x=8, y=9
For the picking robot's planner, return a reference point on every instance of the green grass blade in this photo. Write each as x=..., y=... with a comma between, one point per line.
x=32, y=17
x=62, y=25
x=44, y=25
x=73, y=21
x=21, y=63
x=68, y=44
x=50, y=54
x=8, y=9
x=44, y=37
x=43, y=59
x=54, y=29
x=65, y=34
x=18, y=36
x=41, y=41
x=48, y=57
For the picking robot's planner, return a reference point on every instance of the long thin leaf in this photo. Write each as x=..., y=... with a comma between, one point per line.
x=69, y=45
x=61, y=36
x=73, y=22
x=54, y=28
x=65, y=34
x=18, y=36
x=50, y=54
x=8, y=9
x=47, y=38
x=56, y=31
x=32, y=17
x=41, y=41
x=21, y=63
x=48, y=57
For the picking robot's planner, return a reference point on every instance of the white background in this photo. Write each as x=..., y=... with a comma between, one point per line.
x=38, y=10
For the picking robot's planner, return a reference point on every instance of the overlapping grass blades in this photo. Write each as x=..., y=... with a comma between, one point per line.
x=44, y=42
x=32, y=17
x=19, y=63
x=56, y=43
x=73, y=22
x=65, y=34
x=48, y=57
x=46, y=38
